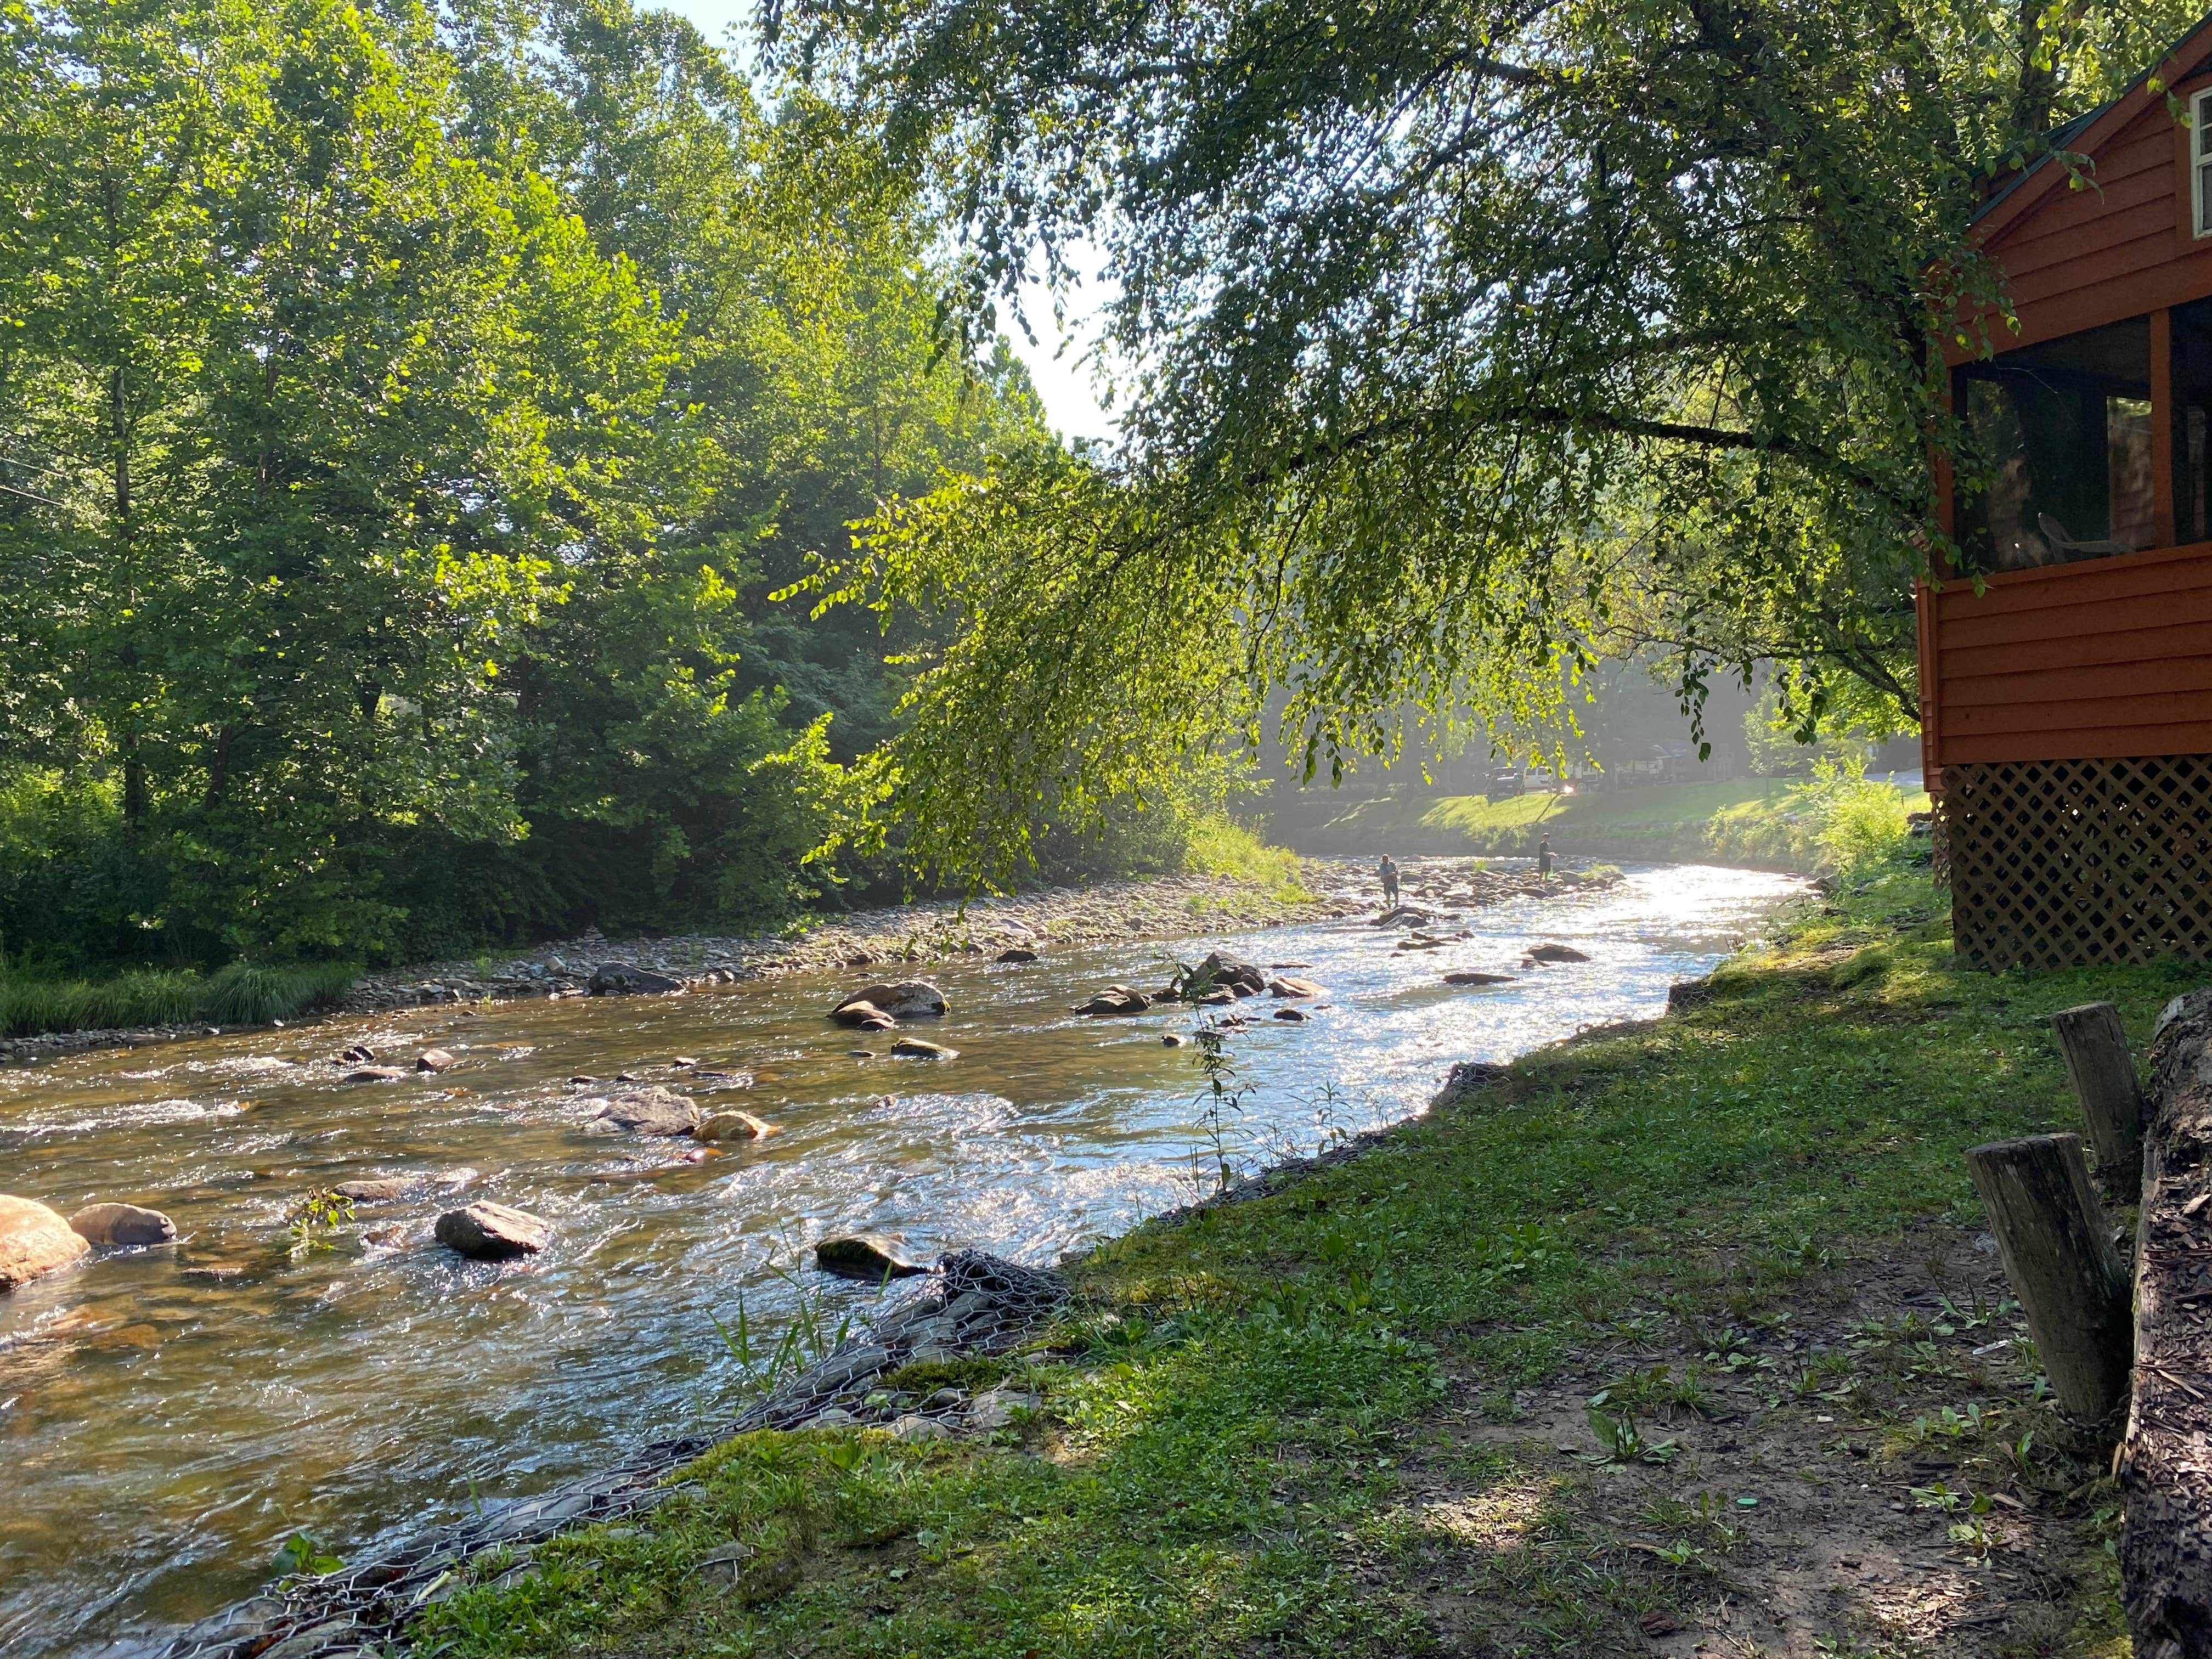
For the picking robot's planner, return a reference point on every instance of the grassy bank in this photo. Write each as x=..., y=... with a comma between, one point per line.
x=242, y=994
x=1753, y=823
x=1675, y=1334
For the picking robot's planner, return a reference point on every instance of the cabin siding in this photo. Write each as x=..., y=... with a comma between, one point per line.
x=2103, y=659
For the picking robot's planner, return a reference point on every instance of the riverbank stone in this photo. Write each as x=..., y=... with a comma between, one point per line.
x=908, y=999
x=625, y=979
x=34, y=1240
x=486, y=1232
x=916, y=1049
x=122, y=1225
x=651, y=1110
x=868, y=1256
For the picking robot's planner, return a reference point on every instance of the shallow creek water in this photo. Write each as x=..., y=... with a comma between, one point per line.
x=167, y=1417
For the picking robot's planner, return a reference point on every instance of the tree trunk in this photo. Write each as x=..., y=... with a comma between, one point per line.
x=2096, y=1050
x=2166, y=1461
x=2060, y=1259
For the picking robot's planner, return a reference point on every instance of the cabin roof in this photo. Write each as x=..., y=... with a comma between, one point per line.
x=2086, y=132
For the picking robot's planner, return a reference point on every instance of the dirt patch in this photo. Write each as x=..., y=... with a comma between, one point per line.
x=1827, y=1457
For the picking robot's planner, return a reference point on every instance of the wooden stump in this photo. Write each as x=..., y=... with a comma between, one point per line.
x=2104, y=1074
x=2059, y=1256
x=2166, y=1461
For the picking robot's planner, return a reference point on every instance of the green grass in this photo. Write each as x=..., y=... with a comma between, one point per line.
x=1732, y=823
x=1248, y=1410
x=241, y=994
x=1218, y=846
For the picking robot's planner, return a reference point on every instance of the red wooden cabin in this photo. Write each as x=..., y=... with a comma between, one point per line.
x=2067, y=708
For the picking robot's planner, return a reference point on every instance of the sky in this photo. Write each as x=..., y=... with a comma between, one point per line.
x=1064, y=386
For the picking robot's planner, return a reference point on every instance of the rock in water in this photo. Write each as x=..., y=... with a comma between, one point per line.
x=1556, y=953
x=375, y=1074
x=122, y=1223
x=1116, y=999
x=1293, y=1014
x=378, y=1189
x=733, y=1126
x=1017, y=954
x=909, y=1000
x=34, y=1240
x=865, y=1255
x=648, y=1111
x=1400, y=913
x=1472, y=978
x=1234, y=973
x=1290, y=985
x=624, y=979
x=1170, y=1040
x=858, y=1011
x=435, y=1059
x=916, y=1049
x=490, y=1232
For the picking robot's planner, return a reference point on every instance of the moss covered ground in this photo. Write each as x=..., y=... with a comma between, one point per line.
x=1677, y=1337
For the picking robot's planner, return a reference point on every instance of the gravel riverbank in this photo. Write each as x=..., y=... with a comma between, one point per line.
x=927, y=931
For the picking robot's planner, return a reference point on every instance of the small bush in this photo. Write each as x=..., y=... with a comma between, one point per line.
x=249, y=993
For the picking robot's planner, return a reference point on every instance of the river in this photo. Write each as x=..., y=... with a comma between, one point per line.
x=170, y=1416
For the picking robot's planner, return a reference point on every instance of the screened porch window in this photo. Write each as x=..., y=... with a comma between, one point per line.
x=2061, y=467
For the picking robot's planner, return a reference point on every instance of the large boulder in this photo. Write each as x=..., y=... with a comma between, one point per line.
x=1556, y=953
x=624, y=979
x=865, y=1255
x=1116, y=999
x=648, y=1111
x=490, y=1232
x=34, y=1240
x=1232, y=973
x=909, y=1000
x=122, y=1225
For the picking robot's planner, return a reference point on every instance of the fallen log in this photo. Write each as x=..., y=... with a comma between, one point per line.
x=2059, y=1257
x=2165, y=1459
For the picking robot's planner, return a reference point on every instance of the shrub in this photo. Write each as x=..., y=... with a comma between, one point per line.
x=249, y=993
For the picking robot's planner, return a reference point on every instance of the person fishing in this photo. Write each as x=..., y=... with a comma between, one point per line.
x=1389, y=872
x=1544, y=860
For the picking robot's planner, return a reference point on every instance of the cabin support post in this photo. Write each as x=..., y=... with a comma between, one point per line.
x=2050, y=1229
x=2166, y=1460
x=2097, y=1059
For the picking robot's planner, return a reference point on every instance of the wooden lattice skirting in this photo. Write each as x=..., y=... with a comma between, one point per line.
x=2058, y=863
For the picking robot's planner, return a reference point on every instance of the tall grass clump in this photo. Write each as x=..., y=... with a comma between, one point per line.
x=1216, y=845
x=252, y=993
x=153, y=996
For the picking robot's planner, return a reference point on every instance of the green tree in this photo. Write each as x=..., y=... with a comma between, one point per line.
x=1470, y=342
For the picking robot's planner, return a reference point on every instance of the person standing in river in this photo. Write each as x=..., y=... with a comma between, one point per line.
x=1544, y=858
x=1389, y=872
